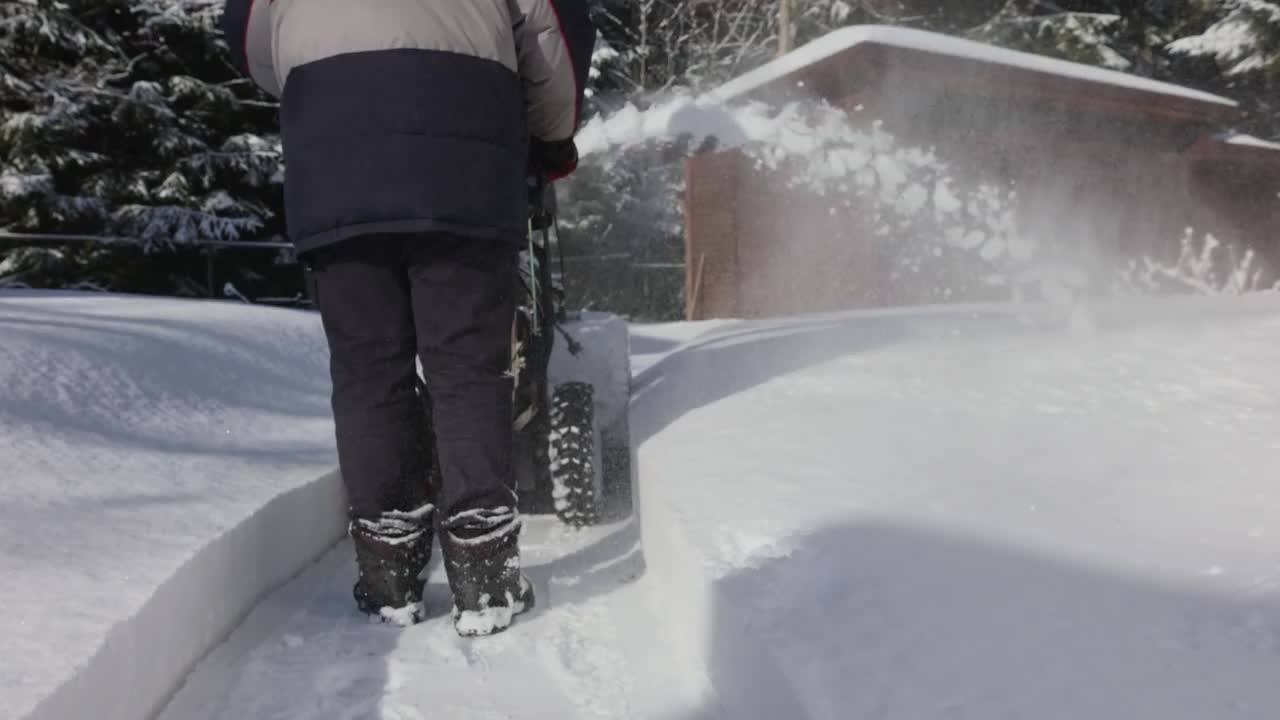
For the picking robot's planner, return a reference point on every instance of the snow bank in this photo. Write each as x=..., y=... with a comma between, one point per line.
x=161, y=461
x=844, y=39
x=970, y=511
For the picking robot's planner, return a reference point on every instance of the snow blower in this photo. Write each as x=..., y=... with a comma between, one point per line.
x=571, y=440
x=571, y=446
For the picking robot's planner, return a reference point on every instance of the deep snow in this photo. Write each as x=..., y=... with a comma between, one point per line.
x=974, y=512
x=963, y=512
x=585, y=651
x=135, y=433
x=985, y=512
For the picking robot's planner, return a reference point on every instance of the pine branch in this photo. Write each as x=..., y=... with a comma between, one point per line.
x=259, y=104
x=126, y=72
x=871, y=10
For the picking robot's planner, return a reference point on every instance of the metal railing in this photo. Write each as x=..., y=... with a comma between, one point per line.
x=209, y=247
x=602, y=281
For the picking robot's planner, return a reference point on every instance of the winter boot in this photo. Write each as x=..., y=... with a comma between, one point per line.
x=482, y=560
x=391, y=557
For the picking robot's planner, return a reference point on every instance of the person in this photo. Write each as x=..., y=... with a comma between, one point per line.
x=408, y=127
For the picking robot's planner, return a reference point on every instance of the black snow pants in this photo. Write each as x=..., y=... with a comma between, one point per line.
x=450, y=302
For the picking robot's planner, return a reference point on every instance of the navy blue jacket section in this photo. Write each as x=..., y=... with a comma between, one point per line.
x=580, y=37
x=235, y=16
x=404, y=141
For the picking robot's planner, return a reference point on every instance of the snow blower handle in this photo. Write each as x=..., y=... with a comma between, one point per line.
x=549, y=160
x=554, y=158
x=542, y=201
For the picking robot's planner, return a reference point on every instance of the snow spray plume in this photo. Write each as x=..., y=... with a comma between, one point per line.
x=1097, y=204
x=933, y=230
x=866, y=198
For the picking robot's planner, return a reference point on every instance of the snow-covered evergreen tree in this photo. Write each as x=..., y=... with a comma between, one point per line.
x=1085, y=37
x=124, y=118
x=608, y=84
x=625, y=215
x=1242, y=37
x=1233, y=47
x=665, y=44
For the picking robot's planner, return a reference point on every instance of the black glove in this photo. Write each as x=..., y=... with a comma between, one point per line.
x=554, y=159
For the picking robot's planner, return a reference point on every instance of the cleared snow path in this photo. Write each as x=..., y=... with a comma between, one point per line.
x=594, y=647
x=971, y=513
x=587, y=651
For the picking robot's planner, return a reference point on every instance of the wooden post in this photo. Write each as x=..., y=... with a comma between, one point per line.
x=208, y=269
x=692, y=313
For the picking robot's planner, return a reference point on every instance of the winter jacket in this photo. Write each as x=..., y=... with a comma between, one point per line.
x=404, y=116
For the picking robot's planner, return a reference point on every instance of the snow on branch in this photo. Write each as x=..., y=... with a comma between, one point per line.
x=1242, y=40
x=1204, y=266
x=166, y=226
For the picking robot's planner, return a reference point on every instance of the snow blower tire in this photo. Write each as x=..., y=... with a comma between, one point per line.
x=574, y=454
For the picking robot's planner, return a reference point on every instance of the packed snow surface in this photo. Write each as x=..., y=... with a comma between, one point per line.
x=844, y=39
x=974, y=512
x=585, y=651
x=134, y=432
x=970, y=512
x=964, y=512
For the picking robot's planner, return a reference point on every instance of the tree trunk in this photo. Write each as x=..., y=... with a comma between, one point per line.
x=784, y=27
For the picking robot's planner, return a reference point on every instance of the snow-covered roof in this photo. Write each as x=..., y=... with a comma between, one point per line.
x=848, y=38
x=1262, y=157
x=1241, y=140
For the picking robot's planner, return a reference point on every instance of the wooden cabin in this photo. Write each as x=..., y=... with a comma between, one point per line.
x=1105, y=165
